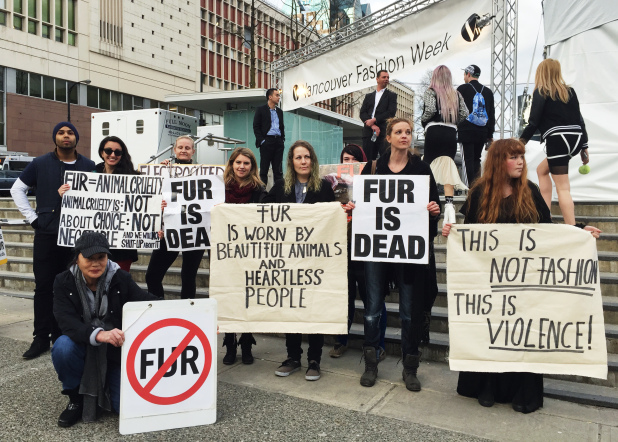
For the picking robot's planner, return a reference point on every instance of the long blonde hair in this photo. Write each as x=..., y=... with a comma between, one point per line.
x=448, y=100
x=253, y=179
x=549, y=82
x=315, y=181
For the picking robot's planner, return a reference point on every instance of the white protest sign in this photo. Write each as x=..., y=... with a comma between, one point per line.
x=2, y=249
x=124, y=208
x=169, y=365
x=187, y=216
x=180, y=170
x=525, y=298
x=280, y=268
x=391, y=221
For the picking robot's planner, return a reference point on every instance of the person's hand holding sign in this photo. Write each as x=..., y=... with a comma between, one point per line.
x=433, y=208
x=62, y=189
x=114, y=337
x=446, y=229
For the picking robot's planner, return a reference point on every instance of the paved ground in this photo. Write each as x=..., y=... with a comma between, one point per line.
x=253, y=404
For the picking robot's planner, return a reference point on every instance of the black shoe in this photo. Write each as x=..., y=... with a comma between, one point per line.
x=73, y=412
x=486, y=396
x=37, y=348
x=230, y=344
x=245, y=342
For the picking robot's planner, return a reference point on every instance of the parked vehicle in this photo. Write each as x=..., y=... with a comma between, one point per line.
x=7, y=178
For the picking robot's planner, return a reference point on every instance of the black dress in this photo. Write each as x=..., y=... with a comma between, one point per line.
x=524, y=390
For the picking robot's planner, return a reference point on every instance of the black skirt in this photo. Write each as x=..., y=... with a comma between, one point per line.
x=440, y=141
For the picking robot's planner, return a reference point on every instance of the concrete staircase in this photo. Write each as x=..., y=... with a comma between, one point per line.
x=17, y=279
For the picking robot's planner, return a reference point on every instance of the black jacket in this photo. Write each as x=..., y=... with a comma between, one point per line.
x=262, y=123
x=468, y=92
x=277, y=194
x=387, y=108
x=69, y=312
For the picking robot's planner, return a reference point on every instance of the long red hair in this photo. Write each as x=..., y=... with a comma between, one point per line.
x=492, y=202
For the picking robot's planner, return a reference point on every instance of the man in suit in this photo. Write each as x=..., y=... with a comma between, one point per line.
x=378, y=106
x=270, y=135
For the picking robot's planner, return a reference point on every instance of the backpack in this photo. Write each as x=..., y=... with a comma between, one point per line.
x=478, y=116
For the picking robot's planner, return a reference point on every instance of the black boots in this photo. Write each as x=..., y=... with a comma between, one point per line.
x=73, y=412
x=37, y=348
x=245, y=342
x=368, y=379
x=410, y=367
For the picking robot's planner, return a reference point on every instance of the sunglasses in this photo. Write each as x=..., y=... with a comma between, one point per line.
x=117, y=152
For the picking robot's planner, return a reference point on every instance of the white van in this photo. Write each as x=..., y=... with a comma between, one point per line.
x=15, y=162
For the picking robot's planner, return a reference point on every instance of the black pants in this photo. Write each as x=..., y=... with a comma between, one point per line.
x=48, y=260
x=271, y=152
x=372, y=148
x=160, y=262
x=472, y=144
x=293, y=343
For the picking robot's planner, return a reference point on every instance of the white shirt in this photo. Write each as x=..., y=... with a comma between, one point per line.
x=378, y=96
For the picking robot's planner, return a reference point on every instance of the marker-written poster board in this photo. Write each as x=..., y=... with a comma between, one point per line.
x=280, y=268
x=391, y=222
x=341, y=178
x=180, y=170
x=187, y=215
x=525, y=298
x=124, y=208
x=3, y=259
x=169, y=365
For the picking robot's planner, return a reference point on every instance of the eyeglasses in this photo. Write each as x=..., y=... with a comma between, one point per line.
x=117, y=152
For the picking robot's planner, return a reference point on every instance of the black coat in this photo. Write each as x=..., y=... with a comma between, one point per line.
x=68, y=308
x=262, y=122
x=277, y=194
x=387, y=108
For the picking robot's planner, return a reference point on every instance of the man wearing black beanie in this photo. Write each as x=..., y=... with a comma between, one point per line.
x=46, y=173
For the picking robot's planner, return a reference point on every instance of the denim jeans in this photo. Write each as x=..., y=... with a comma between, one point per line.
x=69, y=359
x=410, y=302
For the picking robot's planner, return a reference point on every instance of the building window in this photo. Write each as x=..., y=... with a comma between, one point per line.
x=2, y=113
x=35, y=85
x=61, y=90
x=58, y=13
x=48, y=88
x=92, y=96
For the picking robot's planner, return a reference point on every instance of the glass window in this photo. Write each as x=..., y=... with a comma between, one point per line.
x=32, y=8
x=1, y=79
x=127, y=102
x=74, y=98
x=71, y=14
x=46, y=31
x=2, y=18
x=105, y=128
x=35, y=85
x=2, y=4
x=71, y=38
x=139, y=126
x=17, y=22
x=45, y=11
x=58, y=14
x=48, y=88
x=61, y=90
x=21, y=80
x=59, y=35
x=17, y=6
x=115, y=101
x=92, y=96
x=138, y=103
x=32, y=27
x=104, y=101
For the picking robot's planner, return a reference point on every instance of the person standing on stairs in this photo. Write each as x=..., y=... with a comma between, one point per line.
x=46, y=173
x=242, y=186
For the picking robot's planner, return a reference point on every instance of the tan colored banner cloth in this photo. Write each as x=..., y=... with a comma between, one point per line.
x=280, y=268
x=525, y=298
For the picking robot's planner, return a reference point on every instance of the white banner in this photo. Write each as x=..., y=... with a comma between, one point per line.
x=525, y=298
x=280, y=268
x=417, y=42
x=124, y=208
x=2, y=249
x=180, y=170
x=187, y=216
x=391, y=222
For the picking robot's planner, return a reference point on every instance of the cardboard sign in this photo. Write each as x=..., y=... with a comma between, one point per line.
x=280, y=268
x=180, y=170
x=391, y=221
x=169, y=365
x=2, y=249
x=341, y=178
x=525, y=298
x=187, y=215
x=124, y=208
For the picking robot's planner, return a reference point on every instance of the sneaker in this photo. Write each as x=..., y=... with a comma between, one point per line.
x=287, y=367
x=37, y=348
x=313, y=372
x=337, y=350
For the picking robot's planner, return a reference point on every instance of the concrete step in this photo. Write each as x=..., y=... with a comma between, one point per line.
x=589, y=209
x=8, y=203
x=595, y=395
x=10, y=212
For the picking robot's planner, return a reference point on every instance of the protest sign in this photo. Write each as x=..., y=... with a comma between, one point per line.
x=2, y=249
x=124, y=208
x=187, y=216
x=341, y=178
x=525, y=298
x=180, y=170
x=168, y=374
x=391, y=221
x=280, y=268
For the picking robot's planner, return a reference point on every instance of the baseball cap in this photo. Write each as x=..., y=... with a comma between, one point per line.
x=473, y=70
x=91, y=243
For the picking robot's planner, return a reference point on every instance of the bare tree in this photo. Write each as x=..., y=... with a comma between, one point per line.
x=419, y=104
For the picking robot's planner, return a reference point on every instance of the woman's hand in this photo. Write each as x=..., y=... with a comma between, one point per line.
x=446, y=229
x=584, y=155
x=593, y=230
x=163, y=205
x=62, y=189
x=347, y=208
x=114, y=337
x=166, y=162
x=160, y=234
x=434, y=208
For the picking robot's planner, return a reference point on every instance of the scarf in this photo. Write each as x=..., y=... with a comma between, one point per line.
x=95, y=311
x=238, y=195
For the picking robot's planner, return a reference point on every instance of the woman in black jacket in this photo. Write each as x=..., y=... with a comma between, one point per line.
x=301, y=184
x=88, y=301
x=242, y=186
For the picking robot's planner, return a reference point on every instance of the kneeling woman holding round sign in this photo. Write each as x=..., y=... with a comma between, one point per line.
x=301, y=184
x=88, y=301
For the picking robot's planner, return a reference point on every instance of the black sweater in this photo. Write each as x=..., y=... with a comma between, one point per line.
x=277, y=194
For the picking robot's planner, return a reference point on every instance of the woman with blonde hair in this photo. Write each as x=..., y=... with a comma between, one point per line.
x=444, y=109
x=555, y=113
x=242, y=186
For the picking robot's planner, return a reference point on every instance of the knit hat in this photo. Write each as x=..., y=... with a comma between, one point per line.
x=91, y=243
x=60, y=126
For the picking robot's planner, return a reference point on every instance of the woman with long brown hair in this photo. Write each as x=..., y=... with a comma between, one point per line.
x=503, y=194
x=555, y=113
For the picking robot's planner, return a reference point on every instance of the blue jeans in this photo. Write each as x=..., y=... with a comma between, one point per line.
x=69, y=359
x=410, y=302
